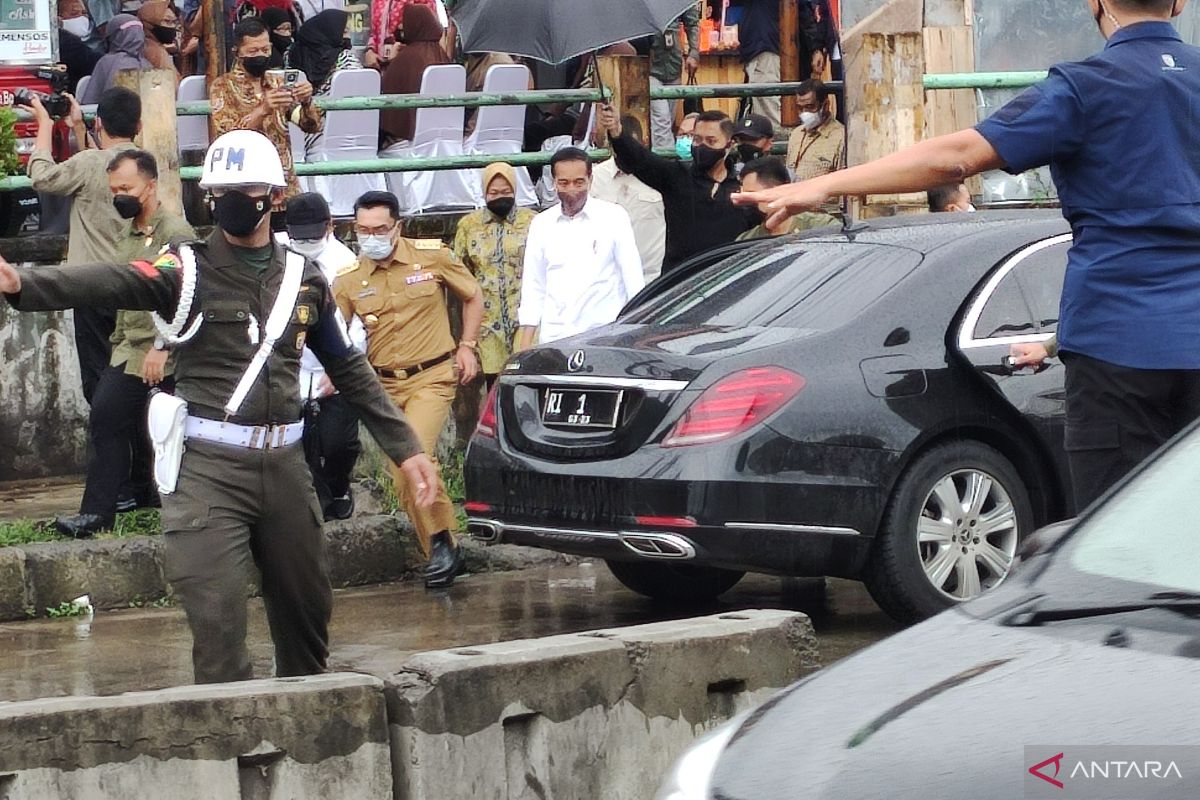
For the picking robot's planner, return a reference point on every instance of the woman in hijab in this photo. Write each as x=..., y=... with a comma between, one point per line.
x=126, y=50
x=162, y=31
x=422, y=37
x=319, y=50
x=279, y=25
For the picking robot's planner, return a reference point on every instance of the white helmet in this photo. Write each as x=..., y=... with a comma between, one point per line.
x=240, y=158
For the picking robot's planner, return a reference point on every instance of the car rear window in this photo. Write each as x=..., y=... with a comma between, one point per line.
x=820, y=288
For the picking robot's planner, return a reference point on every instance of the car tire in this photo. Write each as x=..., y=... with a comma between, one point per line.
x=674, y=582
x=912, y=554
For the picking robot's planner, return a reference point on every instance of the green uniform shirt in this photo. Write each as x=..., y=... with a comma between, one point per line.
x=232, y=297
x=666, y=56
x=134, y=333
x=96, y=228
x=804, y=221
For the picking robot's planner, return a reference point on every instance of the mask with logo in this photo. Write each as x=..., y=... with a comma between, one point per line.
x=502, y=206
x=239, y=214
x=683, y=147
x=310, y=248
x=78, y=26
x=376, y=247
x=127, y=206
x=705, y=158
x=810, y=120
x=256, y=66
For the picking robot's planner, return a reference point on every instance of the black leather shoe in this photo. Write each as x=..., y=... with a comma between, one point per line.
x=340, y=507
x=82, y=526
x=445, y=562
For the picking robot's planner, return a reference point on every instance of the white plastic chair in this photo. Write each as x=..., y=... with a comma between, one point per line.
x=348, y=136
x=296, y=138
x=192, y=131
x=439, y=132
x=500, y=130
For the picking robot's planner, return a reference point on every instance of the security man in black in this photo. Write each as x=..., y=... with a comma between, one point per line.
x=244, y=493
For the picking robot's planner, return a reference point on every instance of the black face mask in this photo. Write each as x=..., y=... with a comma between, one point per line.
x=164, y=34
x=238, y=214
x=347, y=44
x=281, y=42
x=748, y=152
x=127, y=205
x=502, y=206
x=705, y=158
x=256, y=66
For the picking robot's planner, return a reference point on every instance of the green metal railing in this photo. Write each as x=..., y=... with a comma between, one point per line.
x=994, y=80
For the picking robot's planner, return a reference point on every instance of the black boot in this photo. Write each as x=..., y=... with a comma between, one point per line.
x=445, y=562
x=82, y=526
x=340, y=507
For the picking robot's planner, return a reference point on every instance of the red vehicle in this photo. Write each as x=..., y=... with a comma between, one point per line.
x=18, y=206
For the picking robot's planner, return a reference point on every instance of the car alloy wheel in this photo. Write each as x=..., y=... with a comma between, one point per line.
x=967, y=534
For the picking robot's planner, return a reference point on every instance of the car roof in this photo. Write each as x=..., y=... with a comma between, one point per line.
x=926, y=233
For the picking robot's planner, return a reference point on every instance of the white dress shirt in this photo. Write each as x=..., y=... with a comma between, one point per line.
x=579, y=271
x=335, y=256
x=645, y=208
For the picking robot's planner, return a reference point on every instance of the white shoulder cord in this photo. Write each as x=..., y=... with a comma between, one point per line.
x=170, y=332
x=277, y=322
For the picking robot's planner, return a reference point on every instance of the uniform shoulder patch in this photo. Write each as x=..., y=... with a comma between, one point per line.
x=346, y=269
x=428, y=244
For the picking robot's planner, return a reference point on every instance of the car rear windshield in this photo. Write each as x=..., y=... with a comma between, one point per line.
x=820, y=287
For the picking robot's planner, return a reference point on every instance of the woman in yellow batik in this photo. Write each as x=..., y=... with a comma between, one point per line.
x=491, y=242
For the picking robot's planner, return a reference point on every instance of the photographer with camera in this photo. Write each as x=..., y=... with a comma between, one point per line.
x=96, y=227
x=251, y=98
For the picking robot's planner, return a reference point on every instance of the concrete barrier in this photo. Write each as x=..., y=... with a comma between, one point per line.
x=320, y=737
x=598, y=714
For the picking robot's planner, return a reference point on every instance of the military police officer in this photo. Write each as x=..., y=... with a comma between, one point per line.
x=398, y=289
x=239, y=310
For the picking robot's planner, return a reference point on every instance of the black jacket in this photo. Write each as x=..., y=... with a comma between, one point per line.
x=698, y=218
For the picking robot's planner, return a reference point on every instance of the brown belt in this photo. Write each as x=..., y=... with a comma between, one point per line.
x=408, y=372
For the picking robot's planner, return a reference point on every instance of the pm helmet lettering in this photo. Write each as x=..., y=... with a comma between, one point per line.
x=232, y=156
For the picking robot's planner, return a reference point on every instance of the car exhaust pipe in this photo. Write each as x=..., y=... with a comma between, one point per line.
x=659, y=545
x=485, y=530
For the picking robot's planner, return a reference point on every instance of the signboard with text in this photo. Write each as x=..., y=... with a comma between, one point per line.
x=28, y=32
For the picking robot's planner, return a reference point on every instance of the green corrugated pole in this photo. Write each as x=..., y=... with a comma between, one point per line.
x=983, y=80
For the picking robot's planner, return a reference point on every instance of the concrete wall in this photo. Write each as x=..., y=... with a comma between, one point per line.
x=590, y=715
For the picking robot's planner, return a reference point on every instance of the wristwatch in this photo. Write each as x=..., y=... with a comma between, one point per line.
x=471, y=343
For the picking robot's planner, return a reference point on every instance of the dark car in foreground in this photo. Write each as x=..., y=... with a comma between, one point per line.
x=1076, y=678
x=832, y=404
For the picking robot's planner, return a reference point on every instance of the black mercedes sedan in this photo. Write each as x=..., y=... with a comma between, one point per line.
x=826, y=404
x=1076, y=678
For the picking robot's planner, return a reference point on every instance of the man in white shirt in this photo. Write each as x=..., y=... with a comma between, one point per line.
x=643, y=204
x=331, y=443
x=581, y=260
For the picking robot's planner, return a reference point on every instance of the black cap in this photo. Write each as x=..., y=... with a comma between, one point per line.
x=754, y=126
x=307, y=216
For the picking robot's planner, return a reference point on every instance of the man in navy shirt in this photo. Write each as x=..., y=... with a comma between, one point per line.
x=1119, y=132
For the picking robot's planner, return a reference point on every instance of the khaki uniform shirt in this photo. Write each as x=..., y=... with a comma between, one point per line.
x=804, y=221
x=812, y=154
x=232, y=296
x=134, y=333
x=403, y=304
x=235, y=96
x=96, y=227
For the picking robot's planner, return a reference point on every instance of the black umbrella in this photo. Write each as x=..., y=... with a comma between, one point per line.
x=555, y=31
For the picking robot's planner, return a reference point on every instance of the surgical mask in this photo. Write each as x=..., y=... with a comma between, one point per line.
x=164, y=34
x=127, y=206
x=311, y=248
x=256, y=66
x=376, y=247
x=239, y=214
x=502, y=206
x=705, y=158
x=683, y=147
x=79, y=26
x=810, y=120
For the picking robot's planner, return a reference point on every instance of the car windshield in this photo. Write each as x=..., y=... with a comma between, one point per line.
x=1146, y=533
x=819, y=288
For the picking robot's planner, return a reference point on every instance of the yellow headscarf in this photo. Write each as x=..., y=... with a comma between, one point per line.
x=504, y=170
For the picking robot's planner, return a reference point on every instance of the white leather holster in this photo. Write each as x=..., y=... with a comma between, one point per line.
x=166, y=420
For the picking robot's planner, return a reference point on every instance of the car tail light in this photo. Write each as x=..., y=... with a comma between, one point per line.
x=665, y=522
x=735, y=404
x=476, y=508
x=487, y=419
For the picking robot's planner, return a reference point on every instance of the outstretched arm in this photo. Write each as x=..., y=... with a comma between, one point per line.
x=141, y=285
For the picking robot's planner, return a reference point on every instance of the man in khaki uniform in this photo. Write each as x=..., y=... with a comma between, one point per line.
x=398, y=289
x=817, y=147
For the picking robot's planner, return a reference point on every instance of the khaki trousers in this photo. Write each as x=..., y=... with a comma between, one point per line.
x=764, y=68
x=235, y=510
x=425, y=399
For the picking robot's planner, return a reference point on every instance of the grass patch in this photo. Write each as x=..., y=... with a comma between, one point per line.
x=143, y=522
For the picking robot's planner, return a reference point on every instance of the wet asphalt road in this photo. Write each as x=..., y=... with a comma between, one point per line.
x=375, y=629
